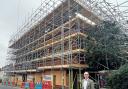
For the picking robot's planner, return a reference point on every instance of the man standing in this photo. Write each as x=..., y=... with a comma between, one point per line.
x=86, y=82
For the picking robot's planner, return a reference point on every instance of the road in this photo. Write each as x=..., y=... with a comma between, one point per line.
x=7, y=87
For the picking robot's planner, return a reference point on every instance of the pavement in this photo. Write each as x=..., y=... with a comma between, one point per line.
x=8, y=87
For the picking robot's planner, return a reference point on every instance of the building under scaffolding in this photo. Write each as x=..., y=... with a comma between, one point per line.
x=53, y=43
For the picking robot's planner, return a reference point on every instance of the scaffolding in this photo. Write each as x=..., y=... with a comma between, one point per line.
x=54, y=38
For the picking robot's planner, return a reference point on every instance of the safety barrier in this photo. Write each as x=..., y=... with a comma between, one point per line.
x=2, y=82
x=9, y=84
x=13, y=84
x=32, y=85
x=38, y=85
x=6, y=83
x=47, y=85
x=22, y=85
x=26, y=85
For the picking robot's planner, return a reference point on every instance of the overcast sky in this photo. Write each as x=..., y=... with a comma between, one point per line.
x=12, y=14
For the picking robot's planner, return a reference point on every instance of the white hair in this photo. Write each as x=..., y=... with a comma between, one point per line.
x=86, y=73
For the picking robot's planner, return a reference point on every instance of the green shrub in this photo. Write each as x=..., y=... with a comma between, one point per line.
x=119, y=79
